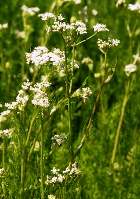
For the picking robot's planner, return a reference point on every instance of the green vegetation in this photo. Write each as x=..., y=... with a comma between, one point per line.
x=69, y=99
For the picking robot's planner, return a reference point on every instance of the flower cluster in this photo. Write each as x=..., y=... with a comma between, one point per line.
x=102, y=44
x=46, y=16
x=41, y=55
x=2, y=172
x=58, y=139
x=30, y=11
x=3, y=26
x=100, y=28
x=51, y=196
x=72, y=170
x=26, y=85
x=94, y=12
x=20, y=34
x=130, y=68
x=59, y=24
x=80, y=27
x=59, y=177
x=134, y=7
x=6, y=133
x=77, y=1
x=21, y=101
x=120, y=2
x=40, y=97
x=83, y=93
x=56, y=177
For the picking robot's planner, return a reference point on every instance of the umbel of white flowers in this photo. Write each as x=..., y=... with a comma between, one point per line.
x=41, y=55
x=29, y=11
x=130, y=68
x=134, y=7
x=100, y=28
x=105, y=44
x=58, y=24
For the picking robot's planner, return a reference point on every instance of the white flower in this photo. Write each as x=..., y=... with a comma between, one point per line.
x=5, y=113
x=2, y=172
x=108, y=43
x=130, y=68
x=38, y=56
x=58, y=139
x=46, y=16
x=74, y=169
x=51, y=196
x=60, y=17
x=94, y=12
x=134, y=7
x=20, y=34
x=11, y=106
x=100, y=28
x=80, y=27
x=84, y=93
x=3, y=26
x=26, y=85
x=30, y=11
x=40, y=99
x=62, y=26
x=6, y=133
x=22, y=98
x=60, y=178
x=55, y=171
x=77, y=1
x=53, y=180
x=41, y=55
x=67, y=170
x=21, y=101
x=113, y=42
x=120, y=2
x=37, y=88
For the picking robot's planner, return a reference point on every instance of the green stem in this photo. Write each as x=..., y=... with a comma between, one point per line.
x=68, y=92
x=89, y=124
x=30, y=128
x=84, y=40
x=3, y=154
x=22, y=175
x=3, y=164
x=42, y=162
x=118, y=131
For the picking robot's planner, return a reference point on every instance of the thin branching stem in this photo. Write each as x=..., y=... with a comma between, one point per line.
x=89, y=124
x=84, y=40
x=118, y=131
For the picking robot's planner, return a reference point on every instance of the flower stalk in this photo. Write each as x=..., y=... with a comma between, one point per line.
x=118, y=131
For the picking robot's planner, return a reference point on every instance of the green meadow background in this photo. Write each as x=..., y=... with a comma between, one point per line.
x=97, y=179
